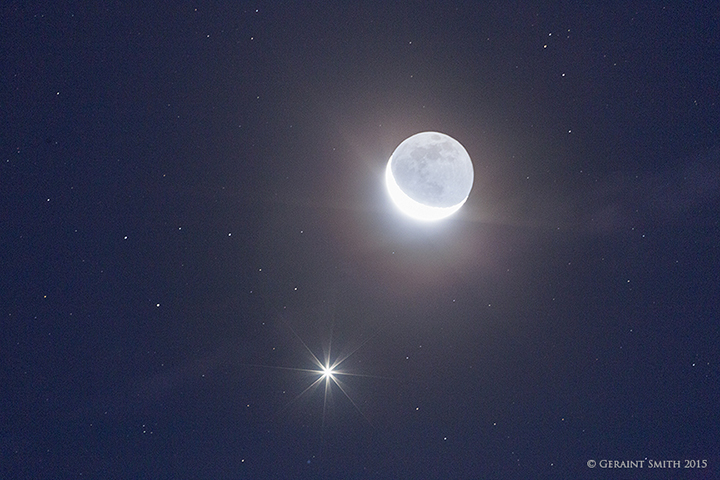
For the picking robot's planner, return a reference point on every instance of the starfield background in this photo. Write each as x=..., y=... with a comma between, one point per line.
x=192, y=206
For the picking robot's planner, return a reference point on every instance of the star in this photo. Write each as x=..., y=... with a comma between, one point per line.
x=327, y=372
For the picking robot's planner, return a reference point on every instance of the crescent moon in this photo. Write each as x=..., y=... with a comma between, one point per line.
x=438, y=174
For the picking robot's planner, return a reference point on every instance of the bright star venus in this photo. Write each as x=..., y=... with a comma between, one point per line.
x=329, y=373
x=326, y=372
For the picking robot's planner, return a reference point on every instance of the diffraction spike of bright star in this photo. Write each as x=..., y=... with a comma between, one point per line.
x=328, y=372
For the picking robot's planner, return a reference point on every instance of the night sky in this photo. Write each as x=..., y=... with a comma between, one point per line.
x=192, y=205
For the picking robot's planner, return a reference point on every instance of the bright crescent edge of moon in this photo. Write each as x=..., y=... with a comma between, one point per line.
x=412, y=207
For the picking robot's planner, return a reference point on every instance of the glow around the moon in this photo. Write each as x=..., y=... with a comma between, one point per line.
x=429, y=176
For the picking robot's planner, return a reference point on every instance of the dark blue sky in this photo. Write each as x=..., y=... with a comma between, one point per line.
x=192, y=200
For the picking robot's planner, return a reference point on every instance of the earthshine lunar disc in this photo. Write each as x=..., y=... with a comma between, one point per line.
x=429, y=176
